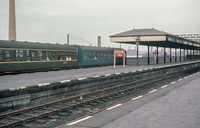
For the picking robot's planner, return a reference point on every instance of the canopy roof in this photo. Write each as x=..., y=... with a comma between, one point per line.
x=153, y=37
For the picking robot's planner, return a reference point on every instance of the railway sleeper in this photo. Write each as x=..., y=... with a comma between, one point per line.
x=28, y=124
x=13, y=118
x=41, y=120
x=64, y=113
x=93, y=103
x=99, y=101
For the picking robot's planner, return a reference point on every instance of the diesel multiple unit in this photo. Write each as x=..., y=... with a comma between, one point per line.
x=16, y=56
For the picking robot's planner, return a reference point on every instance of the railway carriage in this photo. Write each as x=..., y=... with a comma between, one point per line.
x=96, y=56
x=18, y=56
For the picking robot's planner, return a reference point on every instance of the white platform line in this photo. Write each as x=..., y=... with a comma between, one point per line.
x=107, y=74
x=96, y=76
x=65, y=81
x=172, y=82
x=180, y=79
x=185, y=77
x=164, y=86
x=153, y=91
x=12, y=89
x=137, y=97
x=23, y=87
x=117, y=73
x=82, y=78
x=114, y=106
x=45, y=84
x=75, y=122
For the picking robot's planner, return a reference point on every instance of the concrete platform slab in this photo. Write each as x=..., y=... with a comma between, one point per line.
x=176, y=105
x=29, y=79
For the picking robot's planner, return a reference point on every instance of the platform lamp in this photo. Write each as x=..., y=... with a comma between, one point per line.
x=137, y=44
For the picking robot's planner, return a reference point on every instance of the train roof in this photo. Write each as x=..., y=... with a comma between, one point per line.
x=31, y=45
x=96, y=48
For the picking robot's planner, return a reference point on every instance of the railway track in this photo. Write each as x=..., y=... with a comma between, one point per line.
x=65, y=110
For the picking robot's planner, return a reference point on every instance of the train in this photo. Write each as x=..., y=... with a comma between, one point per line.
x=20, y=57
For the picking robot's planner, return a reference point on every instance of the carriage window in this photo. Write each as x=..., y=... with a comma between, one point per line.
x=7, y=55
x=85, y=55
x=48, y=53
x=95, y=55
x=112, y=55
x=40, y=55
x=18, y=55
x=73, y=56
x=54, y=55
x=61, y=56
x=89, y=55
x=101, y=55
x=105, y=55
x=69, y=57
x=30, y=55
x=45, y=55
x=109, y=56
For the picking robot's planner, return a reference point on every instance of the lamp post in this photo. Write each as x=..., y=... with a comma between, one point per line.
x=137, y=44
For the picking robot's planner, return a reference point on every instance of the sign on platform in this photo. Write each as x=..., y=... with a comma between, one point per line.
x=119, y=53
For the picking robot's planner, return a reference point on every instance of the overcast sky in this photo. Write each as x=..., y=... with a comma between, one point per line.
x=51, y=20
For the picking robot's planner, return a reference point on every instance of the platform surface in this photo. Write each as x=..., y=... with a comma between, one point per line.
x=30, y=79
x=176, y=105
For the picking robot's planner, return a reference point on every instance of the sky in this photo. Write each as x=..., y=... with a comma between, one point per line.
x=51, y=20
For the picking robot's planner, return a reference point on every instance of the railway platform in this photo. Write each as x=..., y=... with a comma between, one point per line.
x=134, y=87
x=176, y=105
x=37, y=78
x=40, y=78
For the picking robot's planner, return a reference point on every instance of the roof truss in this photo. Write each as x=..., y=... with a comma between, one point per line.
x=193, y=37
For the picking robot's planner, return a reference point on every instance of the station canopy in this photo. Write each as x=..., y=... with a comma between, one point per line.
x=153, y=37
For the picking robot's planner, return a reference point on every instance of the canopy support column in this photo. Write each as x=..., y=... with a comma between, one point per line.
x=157, y=56
x=180, y=54
x=137, y=44
x=184, y=55
x=193, y=55
x=148, y=60
x=175, y=55
x=170, y=55
x=164, y=56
